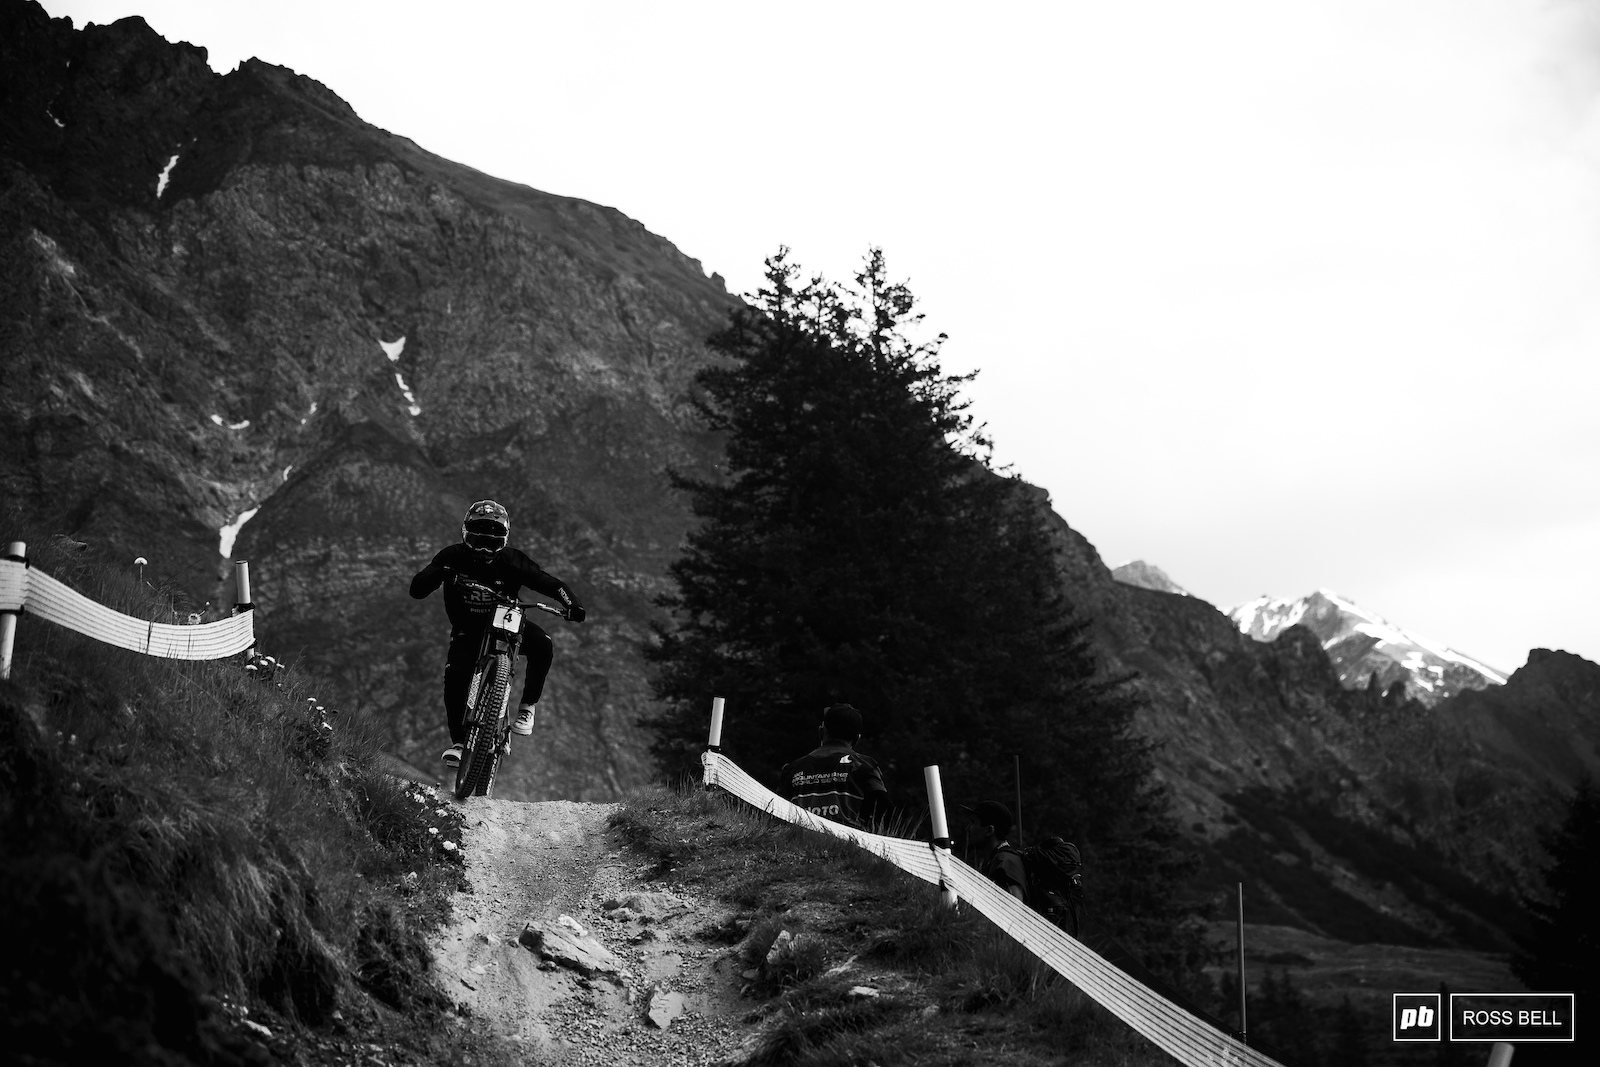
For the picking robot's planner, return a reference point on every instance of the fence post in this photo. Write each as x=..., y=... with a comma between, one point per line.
x=1500, y=1054
x=16, y=552
x=941, y=828
x=714, y=741
x=241, y=596
x=241, y=573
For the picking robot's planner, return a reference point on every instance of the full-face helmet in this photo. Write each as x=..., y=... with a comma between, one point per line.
x=486, y=527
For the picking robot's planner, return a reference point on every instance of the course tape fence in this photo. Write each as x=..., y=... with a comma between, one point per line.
x=25, y=589
x=1188, y=1039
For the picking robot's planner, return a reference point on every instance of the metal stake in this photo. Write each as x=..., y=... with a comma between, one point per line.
x=1017, y=766
x=1243, y=1030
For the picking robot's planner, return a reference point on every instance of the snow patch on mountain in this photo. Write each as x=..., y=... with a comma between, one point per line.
x=230, y=532
x=161, y=183
x=405, y=390
x=1367, y=649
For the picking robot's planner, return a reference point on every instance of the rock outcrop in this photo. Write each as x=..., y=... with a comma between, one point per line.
x=1147, y=576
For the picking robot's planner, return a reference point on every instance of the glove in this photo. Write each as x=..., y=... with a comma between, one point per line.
x=576, y=613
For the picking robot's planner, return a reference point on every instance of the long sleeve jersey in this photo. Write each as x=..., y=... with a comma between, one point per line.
x=507, y=571
x=836, y=782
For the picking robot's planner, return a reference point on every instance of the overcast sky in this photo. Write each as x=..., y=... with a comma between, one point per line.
x=1276, y=295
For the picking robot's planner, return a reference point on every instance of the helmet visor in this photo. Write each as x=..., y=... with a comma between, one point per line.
x=485, y=534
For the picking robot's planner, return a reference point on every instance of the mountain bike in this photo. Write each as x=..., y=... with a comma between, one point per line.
x=489, y=695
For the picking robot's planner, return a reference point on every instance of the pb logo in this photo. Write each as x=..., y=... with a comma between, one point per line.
x=1416, y=1017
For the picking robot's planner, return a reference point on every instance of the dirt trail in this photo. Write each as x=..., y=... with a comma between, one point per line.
x=542, y=861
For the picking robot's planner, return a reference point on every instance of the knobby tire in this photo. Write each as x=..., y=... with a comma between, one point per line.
x=477, y=767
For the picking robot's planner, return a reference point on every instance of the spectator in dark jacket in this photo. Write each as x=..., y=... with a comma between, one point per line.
x=996, y=857
x=834, y=780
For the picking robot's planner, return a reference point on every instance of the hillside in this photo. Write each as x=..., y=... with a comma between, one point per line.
x=191, y=345
x=1351, y=814
x=234, y=308
x=200, y=863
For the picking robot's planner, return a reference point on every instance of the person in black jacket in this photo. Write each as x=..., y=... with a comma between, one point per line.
x=834, y=780
x=997, y=857
x=483, y=559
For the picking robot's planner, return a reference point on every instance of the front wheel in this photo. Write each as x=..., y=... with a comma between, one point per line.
x=482, y=750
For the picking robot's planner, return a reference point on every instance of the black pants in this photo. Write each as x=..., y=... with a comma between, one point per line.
x=462, y=660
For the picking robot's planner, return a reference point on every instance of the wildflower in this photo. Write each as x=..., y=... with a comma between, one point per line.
x=449, y=846
x=433, y=829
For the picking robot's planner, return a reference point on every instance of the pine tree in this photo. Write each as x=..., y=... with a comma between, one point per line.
x=1280, y=1021
x=1349, y=1037
x=858, y=548
x=1561, y=952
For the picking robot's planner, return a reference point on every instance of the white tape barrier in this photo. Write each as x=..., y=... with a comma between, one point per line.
x=22, y=588
x=1188, y=1039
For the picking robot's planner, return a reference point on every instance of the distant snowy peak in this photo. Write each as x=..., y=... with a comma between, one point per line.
x=1362, y=645
x=1147, y=576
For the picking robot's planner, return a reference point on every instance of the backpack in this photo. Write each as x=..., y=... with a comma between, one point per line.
x=1055, y=880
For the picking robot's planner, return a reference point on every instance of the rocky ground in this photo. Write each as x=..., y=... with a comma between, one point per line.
x=563, y=945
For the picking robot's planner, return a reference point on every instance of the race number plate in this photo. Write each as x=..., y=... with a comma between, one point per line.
x=508, y=619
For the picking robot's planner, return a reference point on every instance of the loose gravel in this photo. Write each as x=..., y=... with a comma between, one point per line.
x=531, y=861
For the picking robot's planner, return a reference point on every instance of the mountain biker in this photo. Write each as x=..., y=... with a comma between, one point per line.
x=484, y=559
x=834, y=780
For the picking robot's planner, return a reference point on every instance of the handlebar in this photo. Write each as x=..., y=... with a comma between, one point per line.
x=506, y=601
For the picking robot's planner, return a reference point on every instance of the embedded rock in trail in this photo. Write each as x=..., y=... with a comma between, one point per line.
x=672, y=998
x=567, y=943
x=665, y=1007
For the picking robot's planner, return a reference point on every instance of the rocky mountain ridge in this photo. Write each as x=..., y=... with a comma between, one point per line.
x=222, y=351
x=1366, y=650
x=1147, y=576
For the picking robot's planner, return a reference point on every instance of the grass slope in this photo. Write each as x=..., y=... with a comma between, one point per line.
x=950, y=987
x=197, y=866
